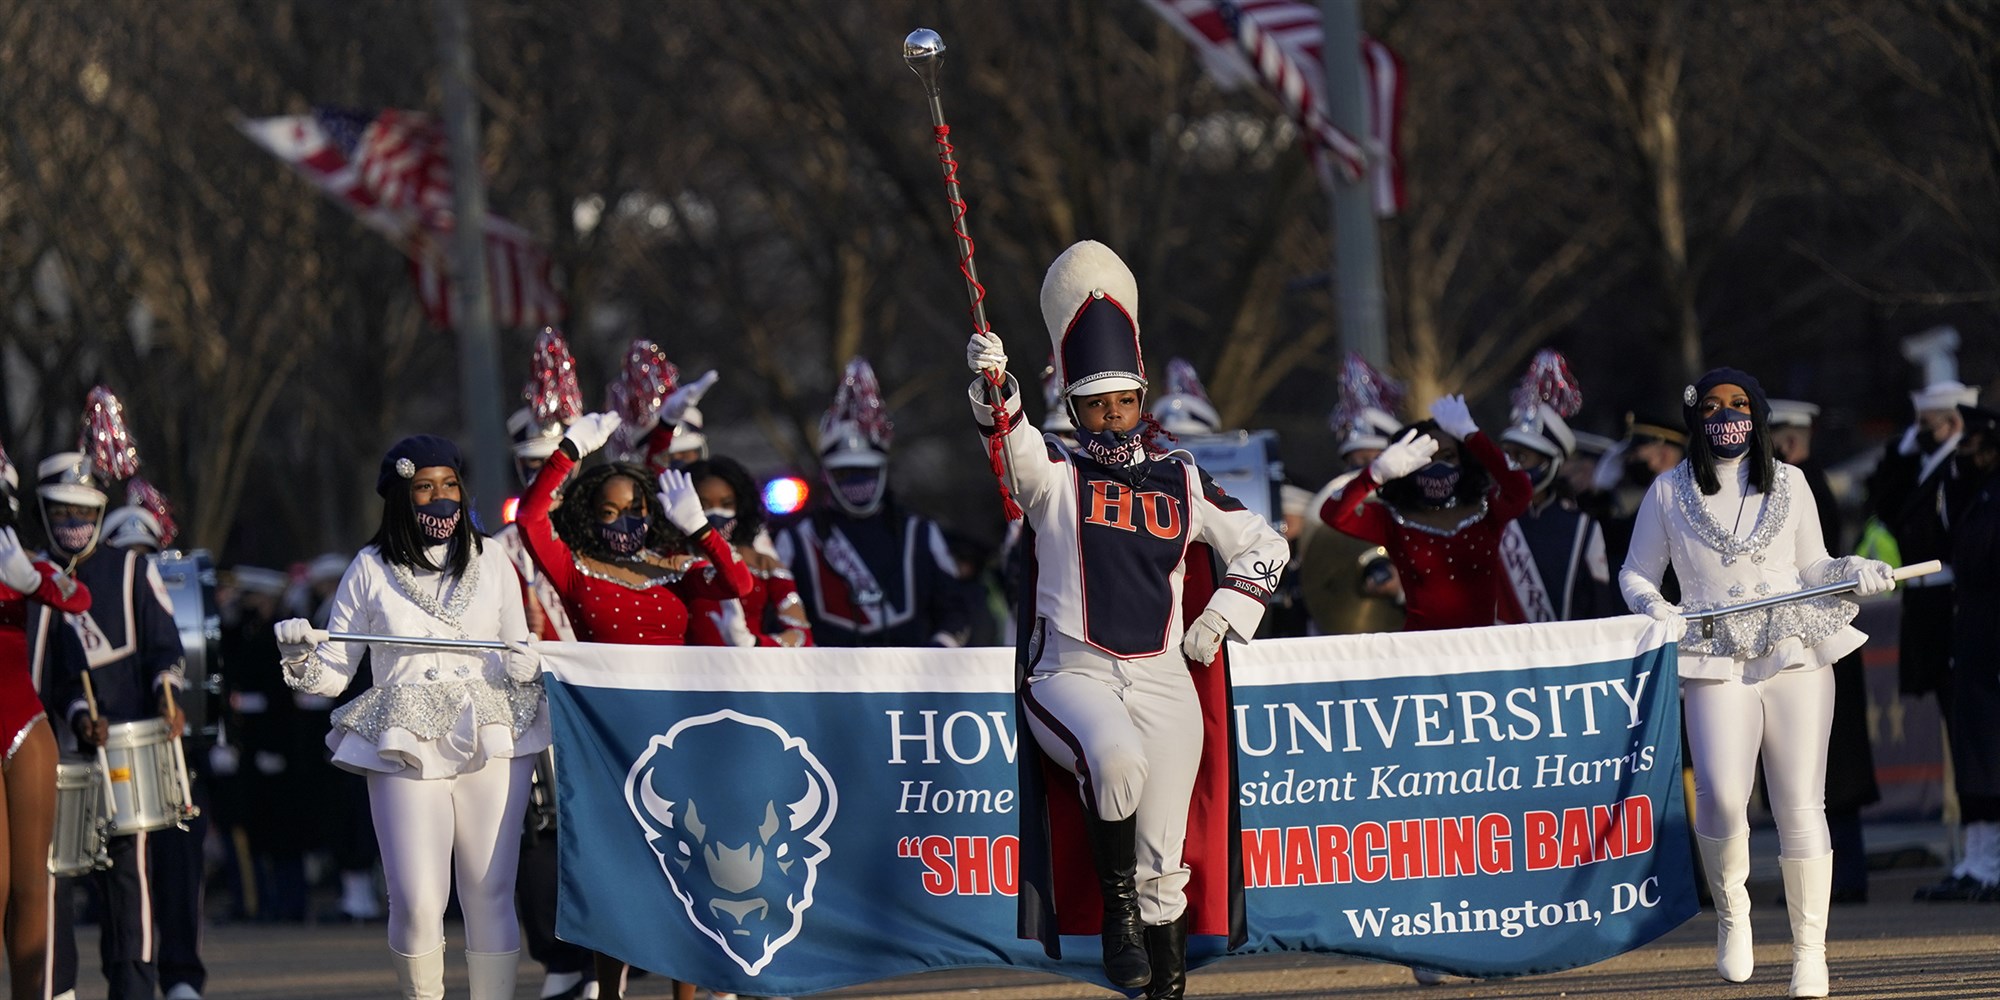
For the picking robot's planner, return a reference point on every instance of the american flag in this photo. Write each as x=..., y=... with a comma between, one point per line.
x=390, y=169
x=1276, y=44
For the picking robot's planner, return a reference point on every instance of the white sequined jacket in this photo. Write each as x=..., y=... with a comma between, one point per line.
x=440, y=711
x=1736, y=546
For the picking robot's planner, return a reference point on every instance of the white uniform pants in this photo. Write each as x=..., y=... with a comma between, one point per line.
x=1789, y=717
x=430, y=829
x=1130, y=730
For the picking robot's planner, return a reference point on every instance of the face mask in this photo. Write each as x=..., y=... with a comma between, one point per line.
x=858, y=491
x=1539, y=476
x=623, y=536
x=722, y=519
x=73, y=534
x=438, y=519
x=1116, y=449
x=1728, y=433
x=1437, y=481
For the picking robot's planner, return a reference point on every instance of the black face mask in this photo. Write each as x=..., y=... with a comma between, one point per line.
x=438, y=519
x=1728, y=433
x=1638, y=473
x=1438, y=483
x=624, y=536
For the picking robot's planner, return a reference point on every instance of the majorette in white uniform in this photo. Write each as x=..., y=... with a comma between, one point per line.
x=1737, y=524
x=1110, y=696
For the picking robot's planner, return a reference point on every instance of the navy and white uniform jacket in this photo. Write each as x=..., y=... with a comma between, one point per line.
x=882, y=580
x=129, y=640
x=1111, y=543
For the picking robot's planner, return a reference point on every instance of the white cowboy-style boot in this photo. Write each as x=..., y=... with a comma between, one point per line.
x=421, y=977
x=1727, y=863
x=1808, y=891
x=491, y=974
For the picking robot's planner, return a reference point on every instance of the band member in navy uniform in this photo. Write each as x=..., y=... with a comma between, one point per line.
x=871, y=571
x=132, y=651
x=147, y=528
x=1553, y=555
x=1123, y=661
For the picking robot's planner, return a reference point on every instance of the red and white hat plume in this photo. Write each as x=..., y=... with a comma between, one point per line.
x=1365, y=413
x=143, y=495
x=856, y=431
x=649, y=378
x=1547, y=396
x=553, y=396
x=106, y=438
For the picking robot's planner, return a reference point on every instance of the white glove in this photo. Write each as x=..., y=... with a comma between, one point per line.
x=984, y=353
x=1454, y=417
x=1402, y=458
x=680, y=503
x=729, y=621
x=591, y=431
x=297, y=637
x=1871, y=576
x=1660, y=609
x=17, y=568
x=1204, y=638
x=675, y=406
x=1908, y=445
x=523, y=663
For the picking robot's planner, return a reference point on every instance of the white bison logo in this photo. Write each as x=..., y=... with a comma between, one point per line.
x=736, y=810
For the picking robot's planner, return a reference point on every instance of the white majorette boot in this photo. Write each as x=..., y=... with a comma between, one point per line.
x=491, y=974
x=1808, y=891
x=420, y=977
x=1727, y=864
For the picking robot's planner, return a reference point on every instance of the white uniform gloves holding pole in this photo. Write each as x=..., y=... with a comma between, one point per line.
x=984, y=353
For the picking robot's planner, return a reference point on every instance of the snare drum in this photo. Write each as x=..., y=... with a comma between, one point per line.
x=144, y=773
x=79, y=842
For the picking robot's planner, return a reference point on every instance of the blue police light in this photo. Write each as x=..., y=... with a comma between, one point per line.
x=786, y=495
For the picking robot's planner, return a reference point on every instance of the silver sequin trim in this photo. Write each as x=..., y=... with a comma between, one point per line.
x=671, y=576
x=429, y=711
x=22, y=736
x=1777, y=509
x=1476, y=517
x=453, y=609
x=308, y=678
x=1747, y=635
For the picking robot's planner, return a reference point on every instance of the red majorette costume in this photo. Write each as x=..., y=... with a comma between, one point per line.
x=604, y=608
x=23, y=578
x=1442, y=527
x=772, y=614
x=1115, y=689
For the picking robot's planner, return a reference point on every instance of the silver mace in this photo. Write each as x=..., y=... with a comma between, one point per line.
x=923, y=50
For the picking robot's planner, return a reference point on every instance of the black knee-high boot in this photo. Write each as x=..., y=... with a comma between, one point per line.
x=1167, y=944
x=1114, y=848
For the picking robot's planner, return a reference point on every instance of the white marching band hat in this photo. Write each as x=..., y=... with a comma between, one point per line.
x=1371, y=428
x=129, y=526
x=1090, y=303
x=1544, y=430
x=533, y=439
x=1946, y=395
x=688, y=435
x=258, y=580
x=67, y=477
x=1792, y=413
x=855, y=431
x=1184, y=409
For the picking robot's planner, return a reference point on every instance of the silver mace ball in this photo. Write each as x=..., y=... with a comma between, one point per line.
x=921, y=49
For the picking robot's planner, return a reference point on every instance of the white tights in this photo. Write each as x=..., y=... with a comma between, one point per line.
x=1789, y=717
x=433, y=828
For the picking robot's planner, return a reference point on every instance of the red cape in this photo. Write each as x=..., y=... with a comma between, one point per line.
x=1058, y=882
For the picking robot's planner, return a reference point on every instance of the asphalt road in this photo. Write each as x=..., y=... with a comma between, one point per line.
x=1891, y=948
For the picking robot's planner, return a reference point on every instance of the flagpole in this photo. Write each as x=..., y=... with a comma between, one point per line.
x=471, y=306
x=1357, y=252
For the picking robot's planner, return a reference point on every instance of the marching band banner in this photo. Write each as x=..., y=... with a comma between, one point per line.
x=1489, y=802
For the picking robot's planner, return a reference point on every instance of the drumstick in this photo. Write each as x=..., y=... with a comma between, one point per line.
x=188, y=809
x=103, y=760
